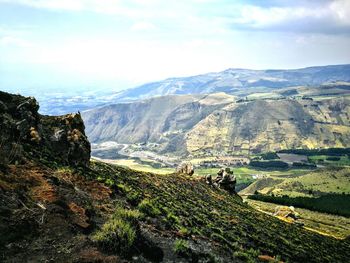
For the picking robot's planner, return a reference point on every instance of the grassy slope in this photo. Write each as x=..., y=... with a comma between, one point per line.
x=212, y=215
x=214, y=225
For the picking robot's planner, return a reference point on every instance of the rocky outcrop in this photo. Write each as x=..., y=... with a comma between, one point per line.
x=25, y=134
x=185, y=168
x=225, y=179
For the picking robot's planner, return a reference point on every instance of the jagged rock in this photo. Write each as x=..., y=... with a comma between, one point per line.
x=224, y=180
x=23, y=132
x=185, y=168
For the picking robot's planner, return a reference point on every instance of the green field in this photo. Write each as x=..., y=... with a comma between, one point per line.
x=325, y=160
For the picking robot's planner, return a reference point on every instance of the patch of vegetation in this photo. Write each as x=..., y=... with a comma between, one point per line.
x=182, y=248
x=118, y=234
x=304, y=165
x=249, y=256
x=328, y=151
x=338, y=204
x=149, y=208
x=341, y=160
x=274, y=164
x=269, y=156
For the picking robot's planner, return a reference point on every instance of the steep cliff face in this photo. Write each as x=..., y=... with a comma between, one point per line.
x=25, y=134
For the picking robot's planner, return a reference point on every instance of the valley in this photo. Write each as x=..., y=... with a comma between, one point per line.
x=287, y=147
x=221, y=124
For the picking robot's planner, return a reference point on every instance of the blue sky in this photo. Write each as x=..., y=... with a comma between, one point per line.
x=117, y=44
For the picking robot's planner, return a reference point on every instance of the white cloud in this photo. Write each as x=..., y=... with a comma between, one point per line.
x=98, y=6
x=14, y=41
x=327, y=17
x=50, y=4
x=143, y=26
x=341, y=10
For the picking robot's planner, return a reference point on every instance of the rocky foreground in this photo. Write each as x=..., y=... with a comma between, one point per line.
x=57, y=206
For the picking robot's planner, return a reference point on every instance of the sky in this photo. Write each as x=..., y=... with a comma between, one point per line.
x=57, y=45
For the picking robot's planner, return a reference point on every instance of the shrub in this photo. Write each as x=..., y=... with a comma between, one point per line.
x=304, y=165
x=181, y=247
x=109, y=182
x=148, y=207
x=269, y=164
x=172, y=219
x=333, y=158
x=133, y=197
x=131, y=216
x=184, y=231
x=269, y=156
x=249, y=255
x=116, y=235
x=329, y=151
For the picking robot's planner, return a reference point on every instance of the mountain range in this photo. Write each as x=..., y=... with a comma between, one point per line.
x=236, y=111
x=240, y=82
x=237, y=82
x=219, y=123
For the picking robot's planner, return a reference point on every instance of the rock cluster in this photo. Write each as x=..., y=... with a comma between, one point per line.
x=185, y=168
x=225, y=179
x=24, y=132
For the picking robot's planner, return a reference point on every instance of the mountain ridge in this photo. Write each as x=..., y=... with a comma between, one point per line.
x=232, y=81
x=220, y=123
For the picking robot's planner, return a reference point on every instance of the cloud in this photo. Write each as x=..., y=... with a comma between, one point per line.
x=98, y=6
x=328, y=17
x=49, y=4
x=14, y=41
x=143, y=26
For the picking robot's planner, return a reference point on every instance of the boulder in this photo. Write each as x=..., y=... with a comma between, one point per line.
x=224, y=180
x=185, y=168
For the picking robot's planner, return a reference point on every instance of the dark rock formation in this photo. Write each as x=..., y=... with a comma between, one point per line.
x=225, y=179
x=24, y=132
x=185, y=168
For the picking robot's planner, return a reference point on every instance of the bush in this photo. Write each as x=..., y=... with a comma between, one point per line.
x=181, y=247
x=116, y=235
x=333, y=158
x=329, y=151
x=133, y=197
x=149, y=208
x=131, y=216
x=269, y=156
x=269, y=164
x=184, y=231
x=304, y=165
x=248, y=256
